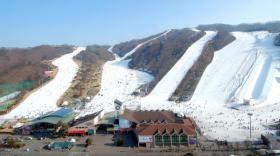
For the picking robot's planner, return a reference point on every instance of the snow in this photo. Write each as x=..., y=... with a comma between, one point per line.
x=168, y=84
x=209, y=105
x=44, y=98
x=141, y=44
x=250, y=56
x=216, y=83
x=119, y=82
x=247, y=68
x=195, y=29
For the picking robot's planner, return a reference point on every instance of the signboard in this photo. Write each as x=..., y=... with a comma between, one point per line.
x=145, y=138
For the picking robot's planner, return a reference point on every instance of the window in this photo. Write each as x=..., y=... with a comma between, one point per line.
x=175, y=139
x=158, y=140
x=184, y=139
x=166, y=140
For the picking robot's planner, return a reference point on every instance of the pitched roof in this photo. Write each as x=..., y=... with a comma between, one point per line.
x=63, y=112
x=86, y=118
x=170, y=128
x=149, y=116
x=152, y=122
x=65, y=115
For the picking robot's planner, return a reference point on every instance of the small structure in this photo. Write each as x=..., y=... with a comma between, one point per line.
x=86, y=125
x=159, y=128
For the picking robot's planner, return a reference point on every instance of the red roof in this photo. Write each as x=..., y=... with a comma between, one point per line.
x=165, y=128
x=77, y=131
x=160, y=121
x=149, y=116
x=188, y=127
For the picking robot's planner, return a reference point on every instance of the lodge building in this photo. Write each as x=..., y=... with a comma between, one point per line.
x=159, y=128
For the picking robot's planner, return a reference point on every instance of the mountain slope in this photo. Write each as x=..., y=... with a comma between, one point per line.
x=230, y=70
x=44, y=99
x=88, y=79
x=122, y=48
x=187, y=86
x=168, y=84
x=160, y=55
x=27, y=63
x=268, y=26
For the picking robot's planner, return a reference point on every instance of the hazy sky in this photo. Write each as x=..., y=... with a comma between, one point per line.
x=81, y=22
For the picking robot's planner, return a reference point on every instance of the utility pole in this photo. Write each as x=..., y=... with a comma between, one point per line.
x=250, y=115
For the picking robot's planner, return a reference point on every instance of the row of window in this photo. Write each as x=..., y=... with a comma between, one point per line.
x=167, y=140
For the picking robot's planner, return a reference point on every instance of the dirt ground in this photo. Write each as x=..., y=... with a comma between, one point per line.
x=103, y=145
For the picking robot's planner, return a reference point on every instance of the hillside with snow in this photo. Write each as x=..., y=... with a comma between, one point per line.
x=44, y=99
x=249, y=64
x=240, y=74
x=245, y=69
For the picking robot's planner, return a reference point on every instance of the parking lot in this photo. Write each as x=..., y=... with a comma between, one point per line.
x=103, y=144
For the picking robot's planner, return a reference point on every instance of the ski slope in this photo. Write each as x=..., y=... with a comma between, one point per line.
x=44, y=98
x=221, y=78
x=119, y=82
x=209, y=105
x=168, y=84
x=141, y=44
x=218, y=80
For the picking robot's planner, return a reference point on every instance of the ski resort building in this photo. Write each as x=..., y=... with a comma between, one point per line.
x=86, y=125
x=48, y=121
x=159, y=128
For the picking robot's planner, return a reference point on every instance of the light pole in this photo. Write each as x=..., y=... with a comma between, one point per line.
x=250, y=115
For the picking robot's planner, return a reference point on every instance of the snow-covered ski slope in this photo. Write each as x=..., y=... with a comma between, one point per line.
x=44, y=98
x=141, y=44
x=261, y=79
x=119, y=82
x=209, y=104
x=226, y=77
x=168, y=84
x=221, y=76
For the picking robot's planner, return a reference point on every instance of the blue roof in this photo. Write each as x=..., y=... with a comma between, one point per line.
x=65, y=115
x=63, y=112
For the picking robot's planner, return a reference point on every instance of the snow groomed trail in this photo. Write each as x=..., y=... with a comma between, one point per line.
x=44, y=98
x=141, y=44
x=209, y=105
x=222, y=75
x=168, y=84
x=118, y=82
